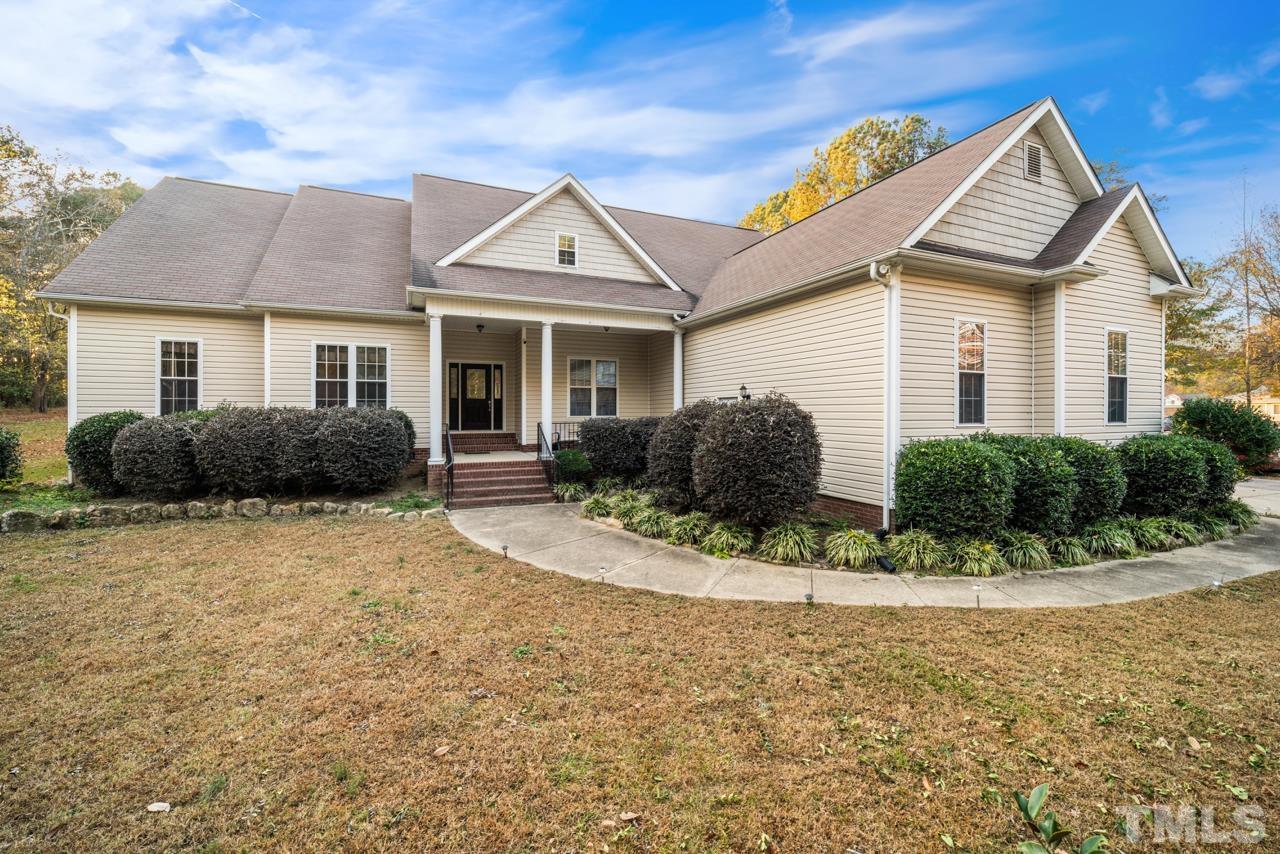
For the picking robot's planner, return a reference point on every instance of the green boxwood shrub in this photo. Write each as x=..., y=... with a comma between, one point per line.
x=1044, y=484
x=1099, y=478
x=155, y=457
x=757, y=461
x=1222, y=470
x=1166, y=475
x=572, y=466
x=1251, y=436
x=954, y=487
x=238, y=452
x=407, y=423
x=299, y=467
x=10, y=457
x=362, y=450
x=618, y=447
x=671, y=452
x=88, y=449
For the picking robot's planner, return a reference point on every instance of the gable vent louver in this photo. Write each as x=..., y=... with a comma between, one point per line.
x=1033, y=161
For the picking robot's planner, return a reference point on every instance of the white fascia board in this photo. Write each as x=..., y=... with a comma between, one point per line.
x=1047, y=108
x=426, y=293
x=1136, y=198
x=566, y=181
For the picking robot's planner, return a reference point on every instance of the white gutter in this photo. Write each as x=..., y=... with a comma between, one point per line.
x=138, y=303
x=403, y=314
x=878, y=272
x=447, y=293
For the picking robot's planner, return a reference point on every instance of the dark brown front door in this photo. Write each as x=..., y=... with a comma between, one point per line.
x=477, y=397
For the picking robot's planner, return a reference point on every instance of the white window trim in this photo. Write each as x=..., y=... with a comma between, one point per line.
x=351, y=367
x=1027, y=145
x=1107, y=375
x=568, y=379
x=199, y=342
x=955, y=372
x=577, y=248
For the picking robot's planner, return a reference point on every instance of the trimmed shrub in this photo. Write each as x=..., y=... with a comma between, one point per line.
x=1221, y=469
x=757, y=461
x=1099, y=478
x=362, y=450
x=789, y=542
x=238, y=452
x=88, y=449
x=915, y=550
x=671, y=452
x=572, y=466
x=155, y=457
x=407, y=423
x=299, y=468
x=617, y=446
x=852, y=548
x=1251, y=436
x=10, y=457
x=1166, y=475
x=1044, y=485
x=954, y=487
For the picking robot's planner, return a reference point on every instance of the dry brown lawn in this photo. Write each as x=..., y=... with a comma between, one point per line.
x=295, y=685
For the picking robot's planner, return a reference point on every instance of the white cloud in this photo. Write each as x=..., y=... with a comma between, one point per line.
x=1161, y=112
x=1218, y=84
x=1095, y=101
x=1191, y=126
x=828, y=44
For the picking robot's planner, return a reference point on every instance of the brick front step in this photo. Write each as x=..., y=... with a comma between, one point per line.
x=466, y=443
x=473, y=491
x=502, y=501
x=500, y=483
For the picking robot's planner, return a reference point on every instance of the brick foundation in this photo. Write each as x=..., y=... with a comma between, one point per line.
x=869, y=516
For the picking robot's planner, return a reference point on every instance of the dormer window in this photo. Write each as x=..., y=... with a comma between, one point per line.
x=566, y=249
x=1032, y=161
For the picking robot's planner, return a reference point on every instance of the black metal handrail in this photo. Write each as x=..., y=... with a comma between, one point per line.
x=547, y=457
x=448, y=468
x=564, y=431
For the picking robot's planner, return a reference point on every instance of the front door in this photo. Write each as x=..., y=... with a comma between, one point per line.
x=477, y=397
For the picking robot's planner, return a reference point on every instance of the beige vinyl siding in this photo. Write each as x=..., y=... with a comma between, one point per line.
x=1121, y=298
x=929, y=311
x=292, y=372
x=1006, y=213
x=530, y=243
x=489, y=348
x=661, y=359
x=1042, y=304
x=631, y=352
x=116, y=362
x=825, y=352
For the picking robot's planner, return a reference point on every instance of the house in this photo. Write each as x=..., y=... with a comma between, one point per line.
x=1263, y=399
x=1173, y=401
x=995, y=285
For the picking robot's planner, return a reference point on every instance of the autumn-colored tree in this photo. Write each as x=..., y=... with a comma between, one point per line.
x=1198, y=331
x=870, y=150
x=49, y=212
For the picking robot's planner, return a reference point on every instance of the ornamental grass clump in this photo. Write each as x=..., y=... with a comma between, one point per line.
x=1210, y=527
x=627, y=508
x=570, y=490
x=1024, y=550
x=652, y=522
x=595, y=507
x=689, y=529
x=607, y=485
x=852, y=548
x=1236, y=512
x=916, y=550
x=1149, y=533
x=980, y=558
x=1069, y=551
x=1181, y=531
x=1109, y=539
x=789, y=542
x=726, y=539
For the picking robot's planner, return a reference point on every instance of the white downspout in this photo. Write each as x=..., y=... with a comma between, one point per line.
x=892, y=374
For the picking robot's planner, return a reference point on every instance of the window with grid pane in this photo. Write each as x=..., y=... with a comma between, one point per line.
x=1117, y=376
x=579, y=387
x=971, y=379
x=606, y=387
x=332, y=376
x=371, y=377
x=179, y=376
x=566, y=250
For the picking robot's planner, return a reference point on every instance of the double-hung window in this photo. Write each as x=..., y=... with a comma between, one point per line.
x=350, y=375
x=971, y=372
x=593, y=387
x=1117, y=376
x=566, y=249
x=178, y=376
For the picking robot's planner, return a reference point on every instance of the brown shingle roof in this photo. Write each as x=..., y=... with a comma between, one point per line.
x=1080, y=228
x=337, y=249
x=447, y=213
x=184, y=240
x=875, y=219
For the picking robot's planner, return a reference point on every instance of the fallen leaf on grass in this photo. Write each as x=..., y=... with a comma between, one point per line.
x=158, y=806
x=628, y=816
x=441, y=750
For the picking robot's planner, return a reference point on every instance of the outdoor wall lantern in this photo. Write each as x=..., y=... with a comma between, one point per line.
x=742, y=392
x=479, y=327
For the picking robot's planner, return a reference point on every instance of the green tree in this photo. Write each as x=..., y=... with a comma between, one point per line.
x=49, y=212
x=1198, y=338
x=870, y=150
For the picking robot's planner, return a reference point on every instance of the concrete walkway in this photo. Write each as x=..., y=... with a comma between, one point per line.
x=554, y=537
x=1261, y=493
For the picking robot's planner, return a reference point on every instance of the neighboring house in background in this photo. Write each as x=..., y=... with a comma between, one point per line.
x=994, y=285
x=1174, y=400
x=1264, y=400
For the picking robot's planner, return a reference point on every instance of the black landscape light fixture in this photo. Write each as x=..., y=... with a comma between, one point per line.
x=742, y=392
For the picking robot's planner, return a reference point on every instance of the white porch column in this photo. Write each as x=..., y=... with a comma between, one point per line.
x=435, y=388
x=677, y=370
x=266, y=358
x=545, y=385
x=1060, y=358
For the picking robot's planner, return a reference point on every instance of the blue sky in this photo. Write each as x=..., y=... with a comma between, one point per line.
x=692, y=108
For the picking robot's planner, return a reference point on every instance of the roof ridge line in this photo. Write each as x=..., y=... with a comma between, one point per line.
x=477, y=183
x=353, y=192
x=228, y=186
x=681, y=218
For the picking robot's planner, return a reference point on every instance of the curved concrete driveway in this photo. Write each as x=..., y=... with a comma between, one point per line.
x=552, y=536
